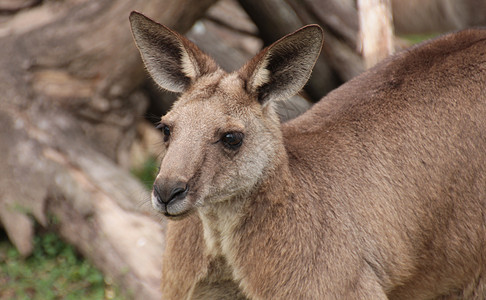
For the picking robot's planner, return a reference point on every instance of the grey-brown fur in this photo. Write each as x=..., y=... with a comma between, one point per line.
x=378, y=191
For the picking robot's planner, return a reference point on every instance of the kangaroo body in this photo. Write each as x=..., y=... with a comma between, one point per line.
x=377, y=192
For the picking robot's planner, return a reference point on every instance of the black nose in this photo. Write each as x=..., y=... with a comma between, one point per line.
x=165, y=193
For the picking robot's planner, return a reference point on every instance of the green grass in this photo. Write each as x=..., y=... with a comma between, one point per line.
x=418, y=38
x=54, y=271
x=147, y=172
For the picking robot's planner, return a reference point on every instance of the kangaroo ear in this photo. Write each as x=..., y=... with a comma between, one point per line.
x=173, y=61
x=281, y=70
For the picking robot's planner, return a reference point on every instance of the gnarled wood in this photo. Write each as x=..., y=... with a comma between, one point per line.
x=69, y=104
x=339, y=60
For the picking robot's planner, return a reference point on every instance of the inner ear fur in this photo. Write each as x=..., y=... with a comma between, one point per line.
x=172, y=61
x=281, y=70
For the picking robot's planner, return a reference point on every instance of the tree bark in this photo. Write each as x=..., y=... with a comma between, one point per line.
x=436, y=16
x=69, y=105
x=376, y=30
x=339, y=60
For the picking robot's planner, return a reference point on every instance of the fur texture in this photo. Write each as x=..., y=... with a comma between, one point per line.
x=378, y=191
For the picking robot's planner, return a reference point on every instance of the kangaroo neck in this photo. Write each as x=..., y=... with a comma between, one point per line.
x=222, y=221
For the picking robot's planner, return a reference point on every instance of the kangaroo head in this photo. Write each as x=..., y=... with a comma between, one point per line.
x=222, y=136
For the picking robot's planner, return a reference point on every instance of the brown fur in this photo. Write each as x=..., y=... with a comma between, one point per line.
x=378, y=191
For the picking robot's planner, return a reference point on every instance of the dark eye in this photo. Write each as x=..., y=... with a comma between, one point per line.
x=232, y=140
x=165, y=130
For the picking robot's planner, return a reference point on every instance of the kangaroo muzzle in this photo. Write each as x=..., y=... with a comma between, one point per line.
x=170, y=197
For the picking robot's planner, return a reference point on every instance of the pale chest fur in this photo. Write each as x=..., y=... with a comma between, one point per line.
x=219, y=225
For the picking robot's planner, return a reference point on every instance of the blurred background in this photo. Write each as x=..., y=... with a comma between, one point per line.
x=78, y=147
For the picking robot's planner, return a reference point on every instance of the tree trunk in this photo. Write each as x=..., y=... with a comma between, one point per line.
x=339, y=60
x=436, y=16
x=376, y=30
x=68, y=112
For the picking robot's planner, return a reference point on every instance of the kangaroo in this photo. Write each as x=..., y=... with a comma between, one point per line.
x=378, y=191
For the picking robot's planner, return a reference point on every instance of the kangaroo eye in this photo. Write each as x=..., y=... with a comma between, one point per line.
x=165, y=130
x=232, y=140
